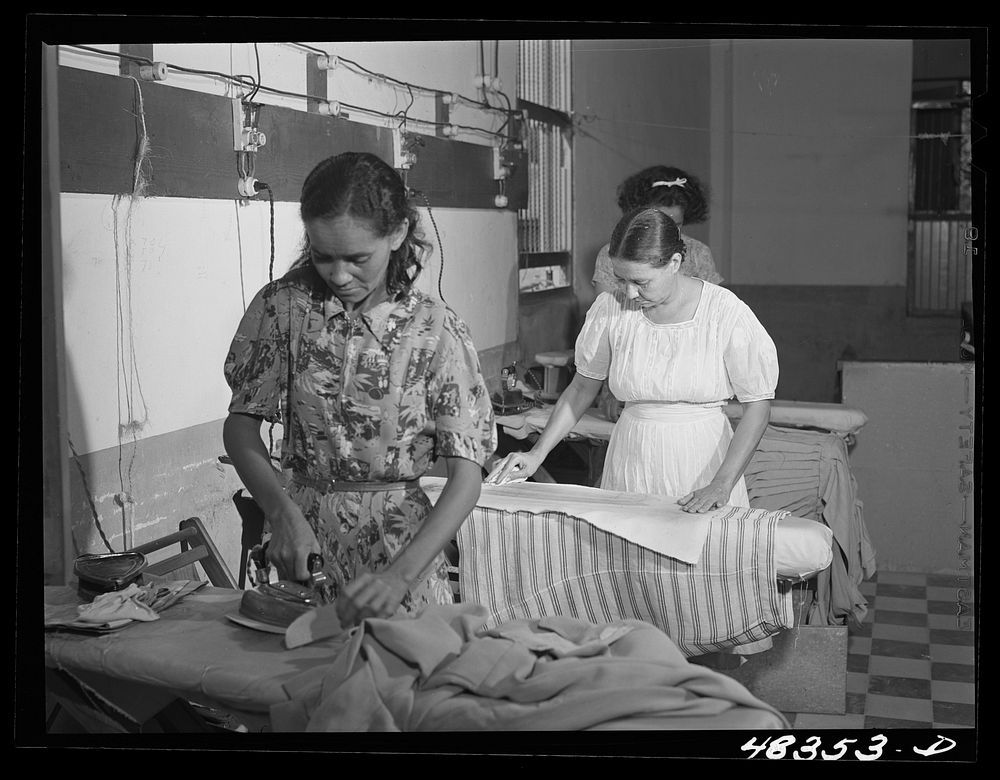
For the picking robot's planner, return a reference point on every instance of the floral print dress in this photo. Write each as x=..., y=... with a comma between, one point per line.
x=371, y=399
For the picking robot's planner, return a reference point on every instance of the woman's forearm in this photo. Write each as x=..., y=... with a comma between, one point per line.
x=457, y=500
x=241, y=438
x=746, y=437
x=573, y=402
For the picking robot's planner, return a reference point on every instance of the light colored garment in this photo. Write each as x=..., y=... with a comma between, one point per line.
x=698, y=263
x=674, y=380
x=523, y=565
x=130, y=603
x=807, y=473
x=440, y=671
x=654, y=522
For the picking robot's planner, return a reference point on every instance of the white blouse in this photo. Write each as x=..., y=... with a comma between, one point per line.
x=721, y=352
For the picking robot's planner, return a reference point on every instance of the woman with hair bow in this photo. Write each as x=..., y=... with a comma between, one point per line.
x=681, y=197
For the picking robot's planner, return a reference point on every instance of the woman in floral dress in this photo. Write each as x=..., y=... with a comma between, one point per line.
x=372, y=380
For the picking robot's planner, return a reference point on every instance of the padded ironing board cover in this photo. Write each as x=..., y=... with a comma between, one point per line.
x=521, y=564
x=654, y=522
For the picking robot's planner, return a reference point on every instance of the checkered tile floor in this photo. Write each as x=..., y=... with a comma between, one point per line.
x=911, y=664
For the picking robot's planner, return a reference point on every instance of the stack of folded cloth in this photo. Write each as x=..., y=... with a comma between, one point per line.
x=116, y=609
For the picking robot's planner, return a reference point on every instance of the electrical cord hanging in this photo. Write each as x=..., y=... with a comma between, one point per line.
x=253, y=94
x=270, y=199
x=430, y=213
x=270, y=278
x=482, y=73
x=90, y=498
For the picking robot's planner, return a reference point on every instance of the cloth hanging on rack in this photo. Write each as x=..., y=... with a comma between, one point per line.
x=808, y=474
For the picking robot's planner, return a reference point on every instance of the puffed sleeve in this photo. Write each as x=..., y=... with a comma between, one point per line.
x=255, y=365
x=751, y=358
x=603, y=274
x=458, y=400
x=702, y=262
x=592, y=355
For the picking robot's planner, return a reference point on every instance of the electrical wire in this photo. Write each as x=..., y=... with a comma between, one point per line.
x=313, y=49
x=90, y=498
x=270, y=278
x=256, y=87
x=399, y=82
x=430, y=213
x=482, y=74
x=252, y=95
x=405, y=112
x=270, y=199
x=238, y=79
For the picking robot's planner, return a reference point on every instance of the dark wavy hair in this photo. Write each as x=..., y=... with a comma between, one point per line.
x=691, y=196
x=646, y=235
x=363, y=186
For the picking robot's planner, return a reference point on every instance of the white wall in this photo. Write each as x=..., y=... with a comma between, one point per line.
x=919, y=511
x=637, y=103
x=154, y=288
x=820, y=145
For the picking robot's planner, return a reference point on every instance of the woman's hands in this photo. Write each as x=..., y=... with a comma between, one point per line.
x=746, y=437
x=712, y=496
x=292, y=539
x=371, y=596
x=517, y=465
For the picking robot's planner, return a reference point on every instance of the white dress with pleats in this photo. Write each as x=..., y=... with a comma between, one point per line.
x=675, y=379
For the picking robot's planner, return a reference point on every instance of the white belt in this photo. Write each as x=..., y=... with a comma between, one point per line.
x=656, y=410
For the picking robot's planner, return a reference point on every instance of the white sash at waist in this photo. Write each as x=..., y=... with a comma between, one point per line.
x=672, y=412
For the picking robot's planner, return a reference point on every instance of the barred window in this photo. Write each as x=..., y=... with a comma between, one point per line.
x=940, y=271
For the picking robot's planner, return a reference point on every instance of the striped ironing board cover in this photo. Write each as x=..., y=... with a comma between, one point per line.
x=522, y=565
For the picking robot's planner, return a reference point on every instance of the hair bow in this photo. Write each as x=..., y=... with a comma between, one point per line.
x=674, y=183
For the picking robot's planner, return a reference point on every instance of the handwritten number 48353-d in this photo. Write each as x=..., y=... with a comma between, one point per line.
x=811, y=748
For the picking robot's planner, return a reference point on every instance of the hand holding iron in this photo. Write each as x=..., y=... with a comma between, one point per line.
x=292, y=541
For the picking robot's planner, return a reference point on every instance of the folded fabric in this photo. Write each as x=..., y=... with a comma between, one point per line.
x=117, y=609
x=654, y=522
x=126, y=604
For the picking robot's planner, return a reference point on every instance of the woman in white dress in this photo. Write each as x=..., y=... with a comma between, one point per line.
x=675, y=349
